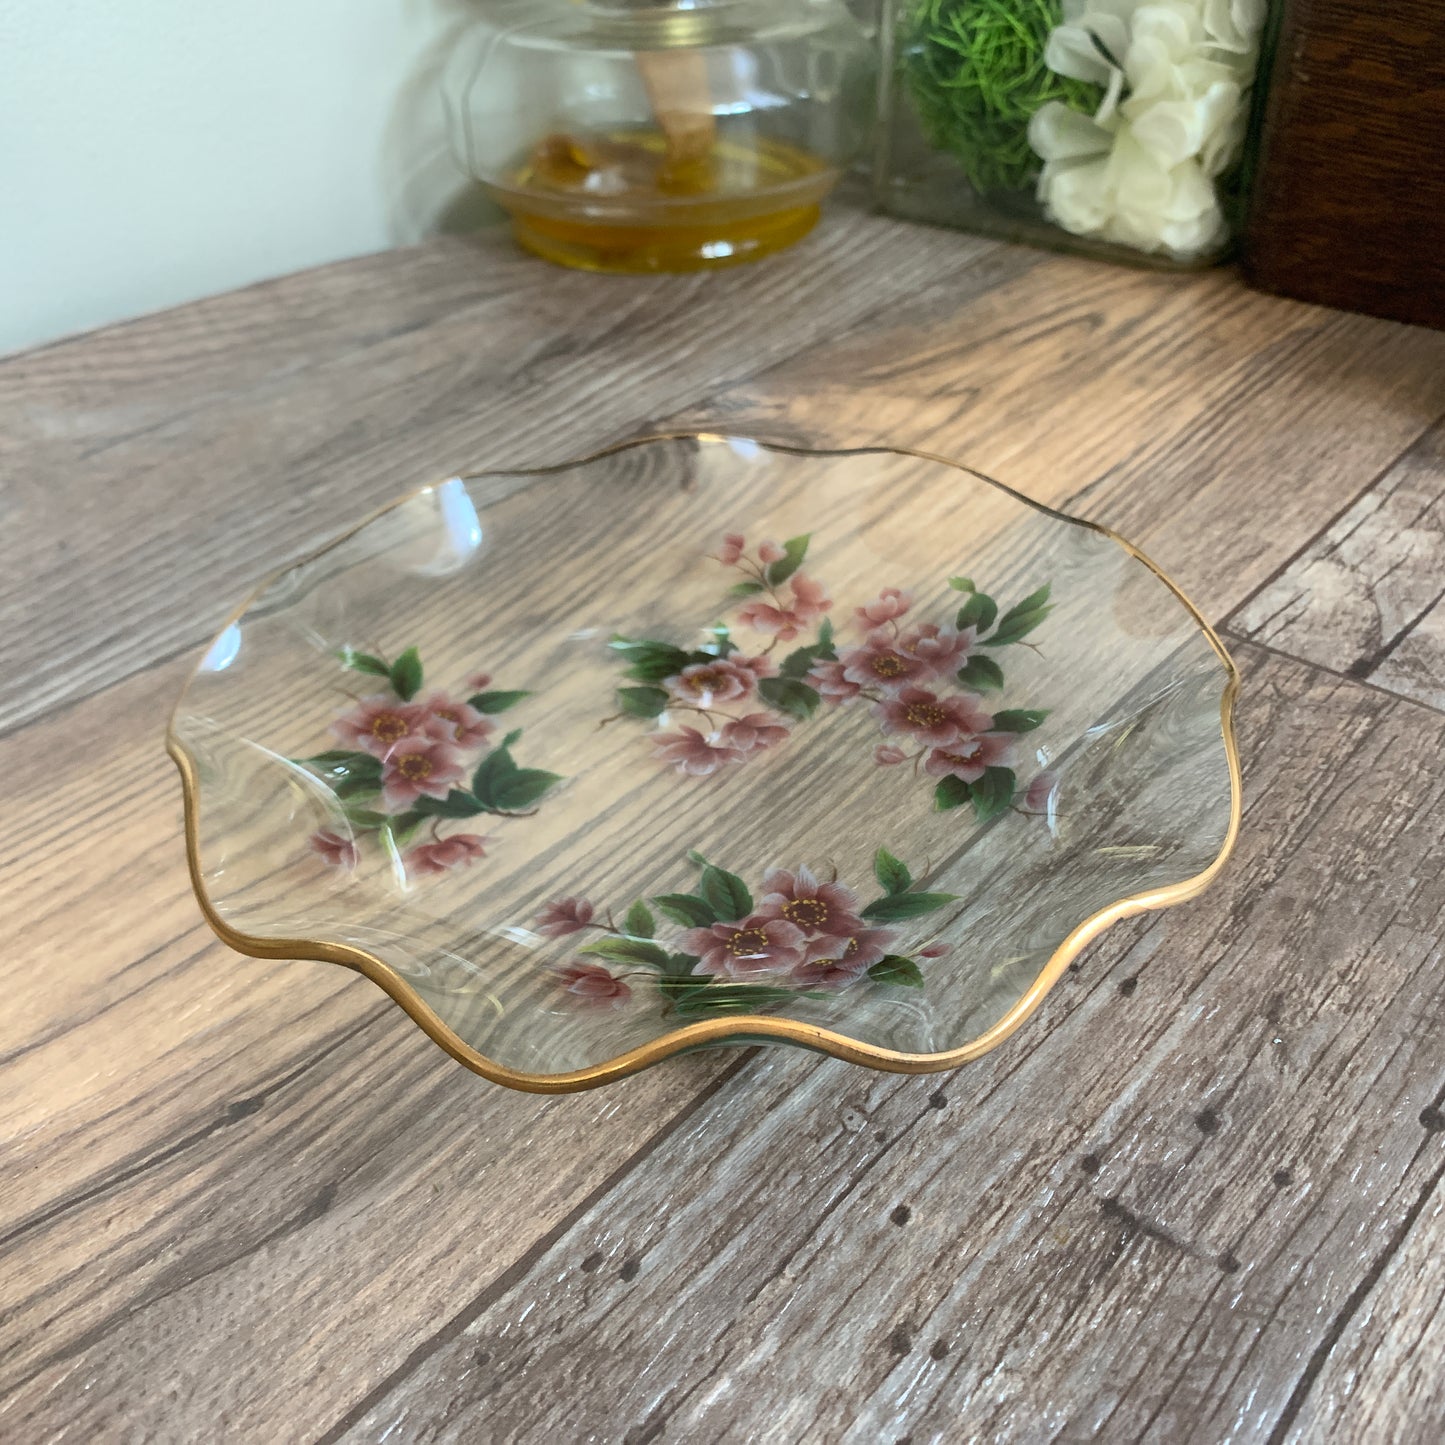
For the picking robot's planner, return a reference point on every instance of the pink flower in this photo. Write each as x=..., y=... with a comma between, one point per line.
x=759, y=666
x=456, y=722
x=837, y=962
x=446, y=854
x=765, y=617
x=830, y=682
x=753, y=732
x=758, y=944
x=690, y=752
x=941, y=649
x=816, y=908
x=810, y=598
x=706, y=683
x=808, y=603
x=418, y=767
x=939, y=721
x=377, y=723
x=969, y=756
x=731, y=549
x=881, y=662
x=563, y=916
x=591, y=984
x=935, y=950
x=887, y=756
x=477, y=681
x=771, y=552
x=1040, y=792
x=889, y=605
x=334, y=850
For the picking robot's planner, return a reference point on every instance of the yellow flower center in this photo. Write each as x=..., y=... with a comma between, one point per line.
x=889, y=666
x=747, y=941
x=925, y=714
x=806, y=912
x=415, y=766
x=388, y=727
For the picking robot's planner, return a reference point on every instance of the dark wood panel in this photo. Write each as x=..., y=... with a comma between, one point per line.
x=1347, y=205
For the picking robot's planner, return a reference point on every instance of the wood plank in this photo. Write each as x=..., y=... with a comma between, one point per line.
x=1365, y=597
x=1146, y=1240
x=293, y=442
x=1217, y=429
x=158, y=1090
x=1382, y=1379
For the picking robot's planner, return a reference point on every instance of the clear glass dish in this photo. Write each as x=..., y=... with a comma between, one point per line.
x=706, y=741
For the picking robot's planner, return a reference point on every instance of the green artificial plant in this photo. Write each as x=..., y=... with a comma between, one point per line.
x=975, y=71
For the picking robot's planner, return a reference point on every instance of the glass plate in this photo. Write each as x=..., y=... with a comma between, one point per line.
x=703, y=740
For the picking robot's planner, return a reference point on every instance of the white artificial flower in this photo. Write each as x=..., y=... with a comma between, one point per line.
x=1175, y=76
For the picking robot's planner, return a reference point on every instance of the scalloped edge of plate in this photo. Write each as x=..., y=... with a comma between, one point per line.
x=746, y=1028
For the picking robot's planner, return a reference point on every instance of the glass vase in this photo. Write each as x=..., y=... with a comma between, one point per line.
x=660, y=135
x=1111, y=127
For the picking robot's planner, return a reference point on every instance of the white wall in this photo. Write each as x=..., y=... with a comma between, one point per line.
x=152, y=151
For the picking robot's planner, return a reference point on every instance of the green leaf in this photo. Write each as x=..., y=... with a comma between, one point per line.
x=490, y=702
x=725, y=893
x=992, y=793
x=981, y=673
x=406, y=674
x=951, y=792
x=502, y=787
x=896, y=969
x=639, y=922
x=898, y=906
x=746, y=589
x=1020, y=620
x=733, y=998
x=892, y=875
x=676, y=987
x=681, y=965
x=628, y=950
x=979, y=611
x=789, y=696
x=350, y=787
x=366, y=818
x=456, y=804
x=342, y=759
x=794, y=550
x=1018, y=720
x=650, y=661
x=799, y=663
x=722, y=644
x=494, y=773
x=641, y=701
x=961, y=584
x=694, y=857
x=364, y=662
x=526, y=787
x=512, y=738
x=687, y=909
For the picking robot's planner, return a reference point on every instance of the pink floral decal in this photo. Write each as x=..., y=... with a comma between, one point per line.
x=409, y=763
x=720, y=705
x=733, y=953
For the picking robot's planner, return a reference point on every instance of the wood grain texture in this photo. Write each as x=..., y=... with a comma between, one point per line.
x=1365, y=598
x=1138, y=1241
x=1216, y=429
x=216, y=480
x=248, y=1201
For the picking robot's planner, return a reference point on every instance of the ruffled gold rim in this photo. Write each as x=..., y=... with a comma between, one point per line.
x=747, y=1028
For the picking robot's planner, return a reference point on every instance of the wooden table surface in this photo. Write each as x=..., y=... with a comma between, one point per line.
x=1198, y=1197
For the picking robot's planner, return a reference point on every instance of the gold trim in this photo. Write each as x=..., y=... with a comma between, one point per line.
x=747, y=1027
